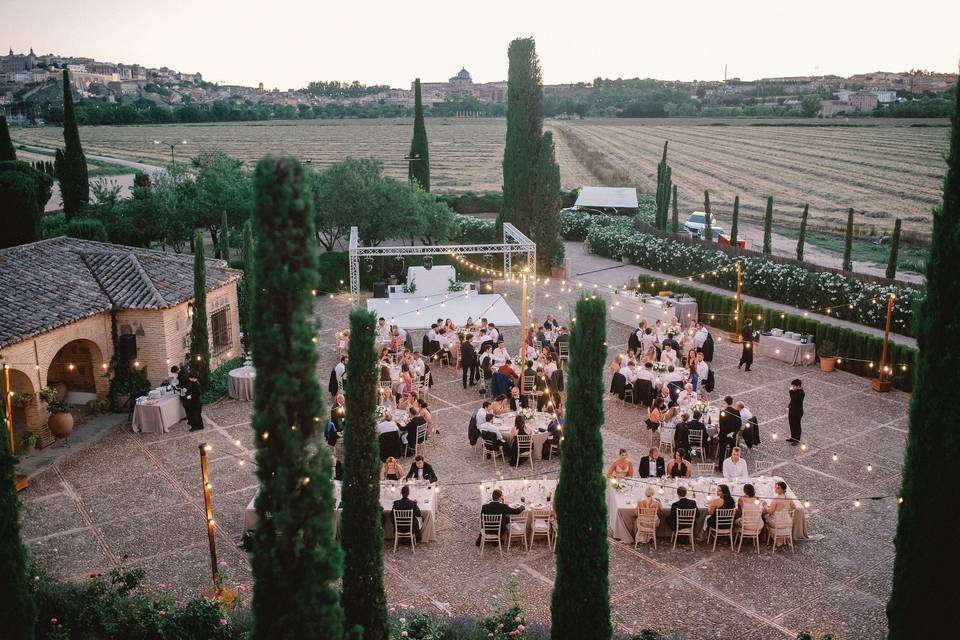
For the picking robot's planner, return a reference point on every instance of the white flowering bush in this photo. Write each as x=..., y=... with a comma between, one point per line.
x=852, y=300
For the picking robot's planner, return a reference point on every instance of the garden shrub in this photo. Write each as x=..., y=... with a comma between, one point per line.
x=217, y=386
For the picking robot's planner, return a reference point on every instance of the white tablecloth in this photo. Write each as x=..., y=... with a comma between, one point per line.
x=504, y=423
x=426, y=496
x=629, y=309
x=240, y=383
x=786, y=350
x=157, y=416
x=532, y=494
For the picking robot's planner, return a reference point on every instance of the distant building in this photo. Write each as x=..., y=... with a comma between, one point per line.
x=863, y=101
x=13, y=62
x=463, y=86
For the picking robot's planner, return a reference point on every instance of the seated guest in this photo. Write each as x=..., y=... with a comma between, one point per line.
x=387, y=425
x=507, y=370
x=396, y=341
x=646, y=373
x=337, y=467
x=414, y=420
x=555, y=429
x=780, y=500
x=517, y=400
x=386, y=369
x=649, y=502
x=486, y=360
x=655, y=416
x=749, y=497
x=681, y=434
x=696, y=424
x=747, y=430
x=700, y=337
x=735, y=467
x=520, y=428
x=617, y=364
x=668, y=356
x=549, y=367
x=678, y=467
x=418, y=368
x=338, y=412
x=683, y=502
x=500, y=354
x=405, y=384
x=494, y=332
x=497, y=507
x=386, y=399
x=421, y=470
x=391, y=470
x=629, y=372
x=672, y=376
x=500, y=405
x=406, y=504
x=687, y=397
x=408, y=400
x=621, y=467
x=724, y=500
x=424, y=412
x=482, y=413
x=652, y=465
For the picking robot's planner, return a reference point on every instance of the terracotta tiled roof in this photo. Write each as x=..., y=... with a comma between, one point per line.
x=47, y=284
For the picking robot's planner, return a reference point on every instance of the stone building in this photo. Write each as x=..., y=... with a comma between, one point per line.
x=463, y=86
x=58, y=296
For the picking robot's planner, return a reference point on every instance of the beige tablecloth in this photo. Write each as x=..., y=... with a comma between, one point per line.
x=240, y=383
x=427, y=497
x=157, y=416
x=786, y=350
x=504, y=423
x=532, y=494
x=622, y=505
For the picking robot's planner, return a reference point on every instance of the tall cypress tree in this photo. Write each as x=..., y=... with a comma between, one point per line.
x=70, y=162
x=581, y=598
x=735, y=225
x=199, y=332
x=419, y=167
x=296, y=561
x=675, y=222
x=7, y=152
x=364, y=598
x=932, y=434
x=848, y=243
x=24, y=191
x=245, y=285
x=803, y=232
x=18, y=609
x=768, y=227
x=708, y=227
x=664, y=190
x=223, y=238
x=545, y=226
x=524, y=132
x=894, y=251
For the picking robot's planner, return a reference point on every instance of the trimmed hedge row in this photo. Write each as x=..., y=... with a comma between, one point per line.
x=786, y=284
x=852, y=347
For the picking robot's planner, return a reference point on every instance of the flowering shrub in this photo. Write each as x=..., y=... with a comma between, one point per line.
x=506, y=623
x=786, y=284
x=470, y=230
x=574, y=224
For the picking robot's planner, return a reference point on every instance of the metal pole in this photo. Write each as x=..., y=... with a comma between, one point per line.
x=209, y=512
x=737, y=314
x=8, y=406
x=886, y=339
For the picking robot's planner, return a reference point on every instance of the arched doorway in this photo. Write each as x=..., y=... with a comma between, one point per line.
x=24, y=402
x=74, y=370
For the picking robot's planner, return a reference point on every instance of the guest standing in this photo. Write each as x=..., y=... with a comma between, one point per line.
x=795, y=410
x=746, y=336
x=193, y=402
x=468, y=361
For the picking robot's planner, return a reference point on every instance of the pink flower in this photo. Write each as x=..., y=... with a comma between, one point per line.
x=53, y=621
x=163, y=612
x=500, y=626
x=223, y=621
x=163, y=586
x=512, y=633
x=521, y=628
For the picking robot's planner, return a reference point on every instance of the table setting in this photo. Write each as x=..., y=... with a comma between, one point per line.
x=240, y=382
x=157, y=411
x=537, y=422
x=532, y=494
x=793, y=348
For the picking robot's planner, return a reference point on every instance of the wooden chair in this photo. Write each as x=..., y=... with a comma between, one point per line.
x=666, y=447
x=524, y=450
x=722, y=526
x=627, y=394
x=646, y=527
x=517, y=528
x=490, y=531
x=529, y=386
x=563, y=352
x=780, y=529
x=403, y=528
x=541, y=524
x=553, y=448
x=705, y=468
x=419, y=441
x=762, y=467
x=751, y=525
x=492, y=451
x=686, y=521
x=696, y=445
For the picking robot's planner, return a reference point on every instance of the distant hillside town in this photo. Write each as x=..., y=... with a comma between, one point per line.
x=118, y=93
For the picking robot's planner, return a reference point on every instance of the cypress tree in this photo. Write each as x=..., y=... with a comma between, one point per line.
x=295, y=560
x=246, y=290
x=524, y=132
x=581, y=599
x=545, y=226
x=71, y=164
x=223, y=239
x=768, y=227
x=894, y=250
x=664, y=184
x=419, y=167
x=199, y=333
x=364, y=598
x=17, y=606
x=708, y=227
x=24, y=192
x=675, y=222
x=932, y=434
x=734, y=226
x=7, y=152
x=803, y=231
x=848, y=243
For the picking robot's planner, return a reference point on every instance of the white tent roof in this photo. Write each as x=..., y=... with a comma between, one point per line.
x=606, y=197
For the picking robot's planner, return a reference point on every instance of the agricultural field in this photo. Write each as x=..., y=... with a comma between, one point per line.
x=884, y=169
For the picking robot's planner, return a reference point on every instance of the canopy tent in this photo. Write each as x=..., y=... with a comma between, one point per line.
x=421, y=312
x=607, y=198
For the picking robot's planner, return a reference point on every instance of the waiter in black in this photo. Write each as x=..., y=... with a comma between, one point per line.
x=795, y=410
x=192, y=402
x=468, y=361
x=746, y=337
x=728, y=428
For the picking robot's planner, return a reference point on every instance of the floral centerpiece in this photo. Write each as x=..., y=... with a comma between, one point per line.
x=518, y=360
x=673, y=332
x=700, y=406
x=660, y=367
x=526, y=414
x=382, y=412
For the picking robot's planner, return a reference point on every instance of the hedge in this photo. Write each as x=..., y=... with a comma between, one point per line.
x=219, y=377
x=852, y=346
x=786, y=284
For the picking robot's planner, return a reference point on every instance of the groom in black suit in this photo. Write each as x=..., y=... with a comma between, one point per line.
x=683, y=502
x=646, y=469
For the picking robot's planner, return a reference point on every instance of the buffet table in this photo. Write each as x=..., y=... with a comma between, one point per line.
x=240, y=383
x=630, y=309
x=786, y=350
x=157, y=415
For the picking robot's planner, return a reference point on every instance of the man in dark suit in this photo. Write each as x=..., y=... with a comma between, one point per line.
x=338, y=412
x=696, y=424
x=405, y=503
x=683, y=502
x=497, y=507
x=562, y=337
x=193, y=402
x=421, y=470
x=652, y=465
x=410, y=429
x=746, y=337
x=468, y=361
x=729, y=427
x=681, y=435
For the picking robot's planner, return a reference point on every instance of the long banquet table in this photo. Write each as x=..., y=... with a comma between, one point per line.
x=630, y=309
x=426, y=495
x=532, y=494
x=786, y=350
x=622, y=502
x=504, y=423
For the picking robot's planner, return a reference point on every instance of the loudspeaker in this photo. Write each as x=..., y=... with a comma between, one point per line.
x=128, y=347
x=486, y=286
x=379, y=289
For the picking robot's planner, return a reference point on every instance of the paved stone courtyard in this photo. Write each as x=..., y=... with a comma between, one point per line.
x=136, y=499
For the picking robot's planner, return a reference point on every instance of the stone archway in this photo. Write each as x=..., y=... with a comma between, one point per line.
x=75, y=367
x=26, y=411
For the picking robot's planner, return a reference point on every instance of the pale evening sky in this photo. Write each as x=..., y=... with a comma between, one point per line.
x=287, y=43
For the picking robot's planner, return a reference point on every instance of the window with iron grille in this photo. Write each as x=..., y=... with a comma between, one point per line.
x=221, y=330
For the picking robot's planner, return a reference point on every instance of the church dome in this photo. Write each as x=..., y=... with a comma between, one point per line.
x=464, y=74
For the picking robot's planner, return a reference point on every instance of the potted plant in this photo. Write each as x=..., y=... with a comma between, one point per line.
x=28, y=442
x=21, y=400
x=48, y=394
x=61, y=420
x=827, y=352
x=558, y=270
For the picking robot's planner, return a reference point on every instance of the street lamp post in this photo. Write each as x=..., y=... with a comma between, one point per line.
x=171, y=144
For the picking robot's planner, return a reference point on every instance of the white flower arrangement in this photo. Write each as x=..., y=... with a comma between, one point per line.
x=526, y=414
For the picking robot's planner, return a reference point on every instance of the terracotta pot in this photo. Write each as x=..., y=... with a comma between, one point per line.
x=558, y=272
x=61, y=424
x=827, y=363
